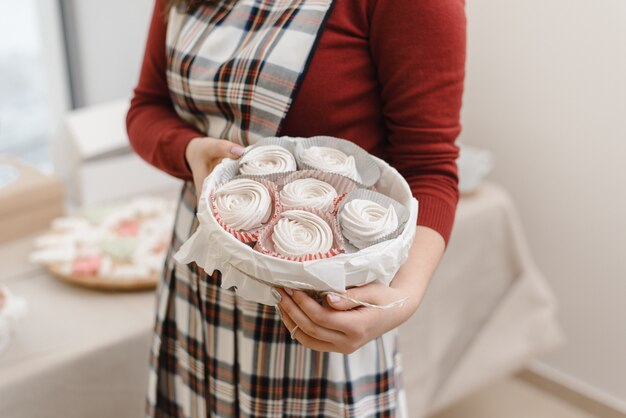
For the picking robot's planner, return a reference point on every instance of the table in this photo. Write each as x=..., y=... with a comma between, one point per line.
x=78, y=353
x=82, y=353
x=487, y=312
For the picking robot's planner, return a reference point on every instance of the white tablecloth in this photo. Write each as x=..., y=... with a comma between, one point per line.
x=78, y=353
x=487, y=312
x=81, y=353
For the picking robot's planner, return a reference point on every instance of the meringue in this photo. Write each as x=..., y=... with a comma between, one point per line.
x=308, y=192
x=331, y=160
x=299, y=232
x=267, y=159
x=363, y=222
x=243, y=204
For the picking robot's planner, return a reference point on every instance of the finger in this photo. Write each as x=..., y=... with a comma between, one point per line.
x=287, y=321
x=322, y=315
x=309, y=327
x=339, y=303
x=198, y=179
x=304, y=339
x=369, y=293
x=227, y=149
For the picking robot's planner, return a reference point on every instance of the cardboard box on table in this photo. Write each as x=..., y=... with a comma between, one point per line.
x=93, y=157
x=29, y=203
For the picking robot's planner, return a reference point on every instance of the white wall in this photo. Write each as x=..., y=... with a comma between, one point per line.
x=107, y=43
x=546, y=91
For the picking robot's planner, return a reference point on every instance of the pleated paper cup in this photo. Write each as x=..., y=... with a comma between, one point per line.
x=402, y=212
x=266, y=245
x=275, y=178
x=229, y=172
x=342, y=185
x=284, y=141
x=366, y=166
x=248, y=236
x=281, y=142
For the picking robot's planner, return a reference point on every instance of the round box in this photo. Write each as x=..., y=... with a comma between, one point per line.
x=252, y=274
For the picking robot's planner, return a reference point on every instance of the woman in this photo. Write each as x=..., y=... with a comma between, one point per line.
x=218, y=75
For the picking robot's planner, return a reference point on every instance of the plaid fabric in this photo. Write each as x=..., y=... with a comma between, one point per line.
x=233, y=69
x=232, y=72
x=217, y=355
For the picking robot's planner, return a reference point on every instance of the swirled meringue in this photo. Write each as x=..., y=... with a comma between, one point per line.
x=299, y=232
x=363, y=221
x=331, y=160
x=308, y=192
x=267, y=159
x=243, y=204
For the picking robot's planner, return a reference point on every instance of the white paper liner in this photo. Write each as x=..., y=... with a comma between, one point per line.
x=385, y=201
x=281, y=142
x=252, y=274
x=265, y=243
x=230, y=172
x=365, y=164
x=341, y=184
x=274, y=178
x=252, y=235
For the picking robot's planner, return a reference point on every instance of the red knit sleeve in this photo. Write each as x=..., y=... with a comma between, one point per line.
x=419, y=51
x=155, y=131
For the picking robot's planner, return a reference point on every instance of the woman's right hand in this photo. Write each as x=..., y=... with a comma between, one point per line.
x=204, y=153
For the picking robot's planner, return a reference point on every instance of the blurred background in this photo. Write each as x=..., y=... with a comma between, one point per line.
x=545, y=98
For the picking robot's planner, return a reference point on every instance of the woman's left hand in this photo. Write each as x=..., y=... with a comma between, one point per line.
x=343, y=326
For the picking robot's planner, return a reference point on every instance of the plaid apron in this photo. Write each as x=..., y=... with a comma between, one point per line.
x=233, y=70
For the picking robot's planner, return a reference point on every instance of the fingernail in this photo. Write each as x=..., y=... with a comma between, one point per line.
x=289, y=291
x=276, y=295
x=237, y=150
x=332, y=298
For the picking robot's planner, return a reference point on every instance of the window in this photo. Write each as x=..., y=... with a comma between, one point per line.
x=26, y=76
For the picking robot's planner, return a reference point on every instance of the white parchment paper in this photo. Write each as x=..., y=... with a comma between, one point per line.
x=252, y=274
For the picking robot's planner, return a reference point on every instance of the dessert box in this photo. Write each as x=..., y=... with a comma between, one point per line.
x=252, y=272
x=28, y=201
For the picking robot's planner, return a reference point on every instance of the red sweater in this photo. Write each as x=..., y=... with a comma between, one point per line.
x=386, y=74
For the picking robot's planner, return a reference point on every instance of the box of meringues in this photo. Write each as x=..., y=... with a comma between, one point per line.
x=29, y=199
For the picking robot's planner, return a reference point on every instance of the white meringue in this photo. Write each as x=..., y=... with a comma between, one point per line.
x=243, y=204
x=331, y=160
x=363, y=221
x=267, y=159
x=299, y=232
x=308, y=192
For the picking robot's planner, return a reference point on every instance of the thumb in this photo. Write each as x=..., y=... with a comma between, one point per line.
x=348, y=300
x=199, y=175
x=227, y=149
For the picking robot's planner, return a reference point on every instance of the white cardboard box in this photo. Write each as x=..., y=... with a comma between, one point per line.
x=28, y=203
x=94, y=158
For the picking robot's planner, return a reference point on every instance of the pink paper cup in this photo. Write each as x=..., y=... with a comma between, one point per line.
x=266, y=245
x=249, y=236
x=341, y=184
